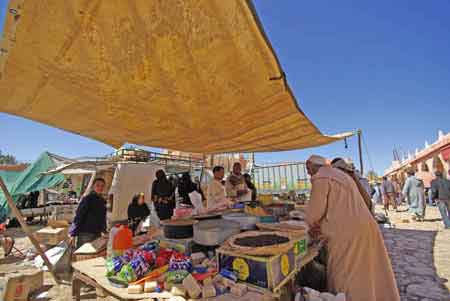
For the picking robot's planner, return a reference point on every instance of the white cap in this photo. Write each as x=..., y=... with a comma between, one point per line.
x=342, y=165
x=317, y=160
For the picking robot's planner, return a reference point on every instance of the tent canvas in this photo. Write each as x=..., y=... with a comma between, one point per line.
x=31, y=179
x=129, y=179
x=9, y=176
x=195, y=76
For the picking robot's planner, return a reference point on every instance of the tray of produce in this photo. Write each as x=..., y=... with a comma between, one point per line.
x=293, y=228
x=261, y=242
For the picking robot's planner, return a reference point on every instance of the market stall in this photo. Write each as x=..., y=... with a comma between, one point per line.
x=192, y=76
x=229, y=254
x=208, y=278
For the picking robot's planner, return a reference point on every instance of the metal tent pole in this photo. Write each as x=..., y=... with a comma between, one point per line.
x=361, y=166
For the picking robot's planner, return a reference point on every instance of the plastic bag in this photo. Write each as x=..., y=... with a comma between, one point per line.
x=59, y=256
x=313, y=275
x=196, y=200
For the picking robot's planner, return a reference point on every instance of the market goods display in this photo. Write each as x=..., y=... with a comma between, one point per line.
x=261, y=240
x=292, y=228
x=208, y=215
x=264, y=271
x=178, y=228
x=245, y=221
x=261, y=243
x=134, y=264
x=255, y=211
x=120, y=239
x=215, y=231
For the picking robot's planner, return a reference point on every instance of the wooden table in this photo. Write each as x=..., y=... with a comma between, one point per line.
x=92, y=272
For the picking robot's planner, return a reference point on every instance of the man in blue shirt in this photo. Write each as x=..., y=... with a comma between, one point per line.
x=90, y=220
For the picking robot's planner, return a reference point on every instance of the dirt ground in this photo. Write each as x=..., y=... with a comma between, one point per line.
x=420, y=254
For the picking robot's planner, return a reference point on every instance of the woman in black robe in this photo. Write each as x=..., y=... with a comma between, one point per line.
x=163, y=196
x=138, y=211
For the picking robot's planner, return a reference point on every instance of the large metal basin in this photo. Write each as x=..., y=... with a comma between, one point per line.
x=214, y=232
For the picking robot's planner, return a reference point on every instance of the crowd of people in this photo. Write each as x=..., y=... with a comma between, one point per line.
x=416, y=193
x=90, y=219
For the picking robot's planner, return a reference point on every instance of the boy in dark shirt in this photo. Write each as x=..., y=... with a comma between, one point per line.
x=90, y=220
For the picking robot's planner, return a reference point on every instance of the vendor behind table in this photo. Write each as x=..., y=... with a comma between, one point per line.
x=90, y=219
x=235, y=185
x=216, y=198
x=163, y=196
x=138, y=211
x=187, y=186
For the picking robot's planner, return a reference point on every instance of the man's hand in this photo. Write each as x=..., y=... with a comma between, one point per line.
x=314, y=231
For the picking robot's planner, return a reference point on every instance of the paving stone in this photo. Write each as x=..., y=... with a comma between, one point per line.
x=426, y=291
x=420, y=257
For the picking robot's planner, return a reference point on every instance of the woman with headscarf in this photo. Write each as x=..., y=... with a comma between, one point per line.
x=185, y=187
x=340, y=164
x=250, y=185
x=137, y=211
x=163, y=196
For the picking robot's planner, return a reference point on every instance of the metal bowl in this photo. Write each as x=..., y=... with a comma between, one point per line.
x=214, y=232
x=246, y=222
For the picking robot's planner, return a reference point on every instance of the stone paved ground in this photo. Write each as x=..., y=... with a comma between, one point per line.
x=420, y=254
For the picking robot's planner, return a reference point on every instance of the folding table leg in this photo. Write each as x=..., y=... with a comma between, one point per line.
x=76, y=288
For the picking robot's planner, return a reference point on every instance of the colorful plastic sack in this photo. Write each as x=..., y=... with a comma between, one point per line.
x=139, y=266
x=113, y=266
x=127, y=274
x=176, y=276
x=179, y=261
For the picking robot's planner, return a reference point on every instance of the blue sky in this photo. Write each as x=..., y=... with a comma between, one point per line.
x=382, y=66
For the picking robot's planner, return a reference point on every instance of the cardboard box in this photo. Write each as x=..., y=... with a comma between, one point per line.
x=182, y=245
x=58, y=224
x=35, y=279
x=300, y=250
x=51, y=236
x=267, y=272
x=18, y=286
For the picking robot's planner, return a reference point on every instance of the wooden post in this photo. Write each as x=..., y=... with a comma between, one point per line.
x=89, y=186
x=27, y=230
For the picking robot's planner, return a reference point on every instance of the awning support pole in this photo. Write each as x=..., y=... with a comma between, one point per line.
x=361, y=166
x=26, y=229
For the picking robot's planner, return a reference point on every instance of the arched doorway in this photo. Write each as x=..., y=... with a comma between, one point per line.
x=437, y=164
x=424, y=167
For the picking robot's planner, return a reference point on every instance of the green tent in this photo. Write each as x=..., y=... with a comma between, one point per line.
x=29, y=180
x=9, y=176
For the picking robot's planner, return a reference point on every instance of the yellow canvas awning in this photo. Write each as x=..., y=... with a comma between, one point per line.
x=197, y=76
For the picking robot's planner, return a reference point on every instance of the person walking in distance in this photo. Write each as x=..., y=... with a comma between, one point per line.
x=440, y=192
x=414, y=191
x=388, y=191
